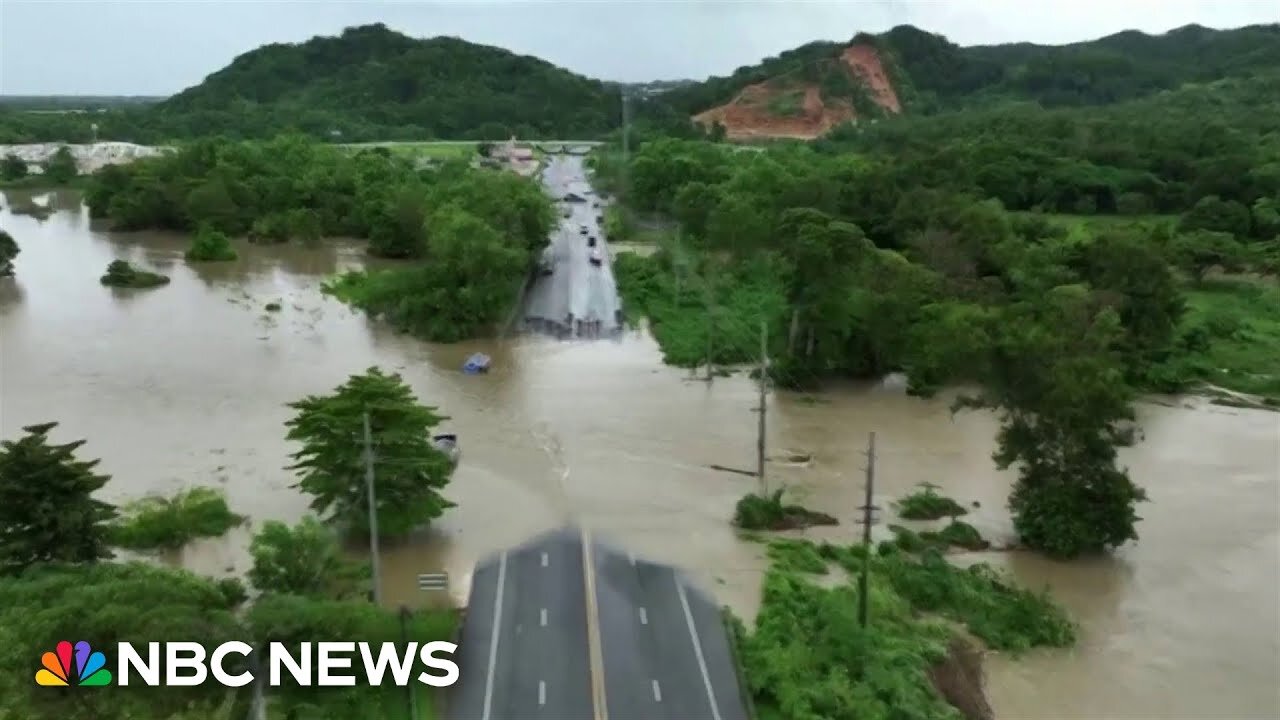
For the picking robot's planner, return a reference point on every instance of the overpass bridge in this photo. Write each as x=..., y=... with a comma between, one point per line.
x=566, y=628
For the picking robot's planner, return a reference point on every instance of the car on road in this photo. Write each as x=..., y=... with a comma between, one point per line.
x=546, y=263
x=591, y=241
x=582, y=229
x=595, y=257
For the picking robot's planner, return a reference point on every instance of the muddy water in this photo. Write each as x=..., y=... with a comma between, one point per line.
x=187, y=384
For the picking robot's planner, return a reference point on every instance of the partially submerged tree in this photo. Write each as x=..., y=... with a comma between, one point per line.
x=47, y=509
x=1056, y=379
x=61, y=167
x=409, y=470
x=121, y=274
x=8, y=251
x=12, y=167
x=210, y=245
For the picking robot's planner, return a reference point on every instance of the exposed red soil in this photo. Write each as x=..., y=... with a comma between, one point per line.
x=864, y=61
x=748, y=115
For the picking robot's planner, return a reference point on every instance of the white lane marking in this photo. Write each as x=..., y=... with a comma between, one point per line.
x=545, y=560
x=497, y=627
x=542, y=619
x=644, y=617
x=697, y=649
x=657, y=692
x=542, y=692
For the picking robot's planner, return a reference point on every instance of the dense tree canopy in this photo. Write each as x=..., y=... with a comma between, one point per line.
x=47, y=512
x=410, y=471
x=938, y=247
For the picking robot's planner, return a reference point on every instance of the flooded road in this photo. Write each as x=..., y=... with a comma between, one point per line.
x=187, y=384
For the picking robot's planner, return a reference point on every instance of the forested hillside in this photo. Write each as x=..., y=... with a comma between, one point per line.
x=372, y=83
x=927, y=73
x=371, y=80
x=369, y=83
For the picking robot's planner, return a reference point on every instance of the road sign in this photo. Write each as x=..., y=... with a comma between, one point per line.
x=433, y=581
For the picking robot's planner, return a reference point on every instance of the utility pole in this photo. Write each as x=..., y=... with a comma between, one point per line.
x=867, y=519
x=764, y=374
x=711, y=326
x=373, y=510
x=404, y=638
x=711, y=331
x=626, y=144
x=258, y=705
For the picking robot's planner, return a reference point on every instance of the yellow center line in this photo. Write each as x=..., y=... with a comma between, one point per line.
x=599, y=707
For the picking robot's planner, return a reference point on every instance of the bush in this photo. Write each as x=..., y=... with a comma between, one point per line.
x=925, y=504
x=123, y=275
x=210, y=245
x=304, y=560
x=758, y=512
x=156, y=523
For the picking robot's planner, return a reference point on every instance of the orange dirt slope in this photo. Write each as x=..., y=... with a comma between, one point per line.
x=748, y=115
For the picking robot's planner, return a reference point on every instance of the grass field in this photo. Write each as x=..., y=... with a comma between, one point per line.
x=1242, y=316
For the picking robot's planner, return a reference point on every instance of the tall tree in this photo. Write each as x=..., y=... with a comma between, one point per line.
x=47, y=509
x=61, y=166
x=409, y=470
x=1058, y=381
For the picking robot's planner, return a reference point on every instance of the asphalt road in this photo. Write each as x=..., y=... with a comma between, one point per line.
x=660, y=648
x=576, y=288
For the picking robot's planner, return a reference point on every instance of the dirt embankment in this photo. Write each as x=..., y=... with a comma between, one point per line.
x=755, y=112
x=749, y=115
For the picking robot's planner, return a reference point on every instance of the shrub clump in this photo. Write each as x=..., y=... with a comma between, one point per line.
x=925, y=504
x=810, y=657
x=123, y=275
x=760, y=512
x=210, y=245
x=159, y=523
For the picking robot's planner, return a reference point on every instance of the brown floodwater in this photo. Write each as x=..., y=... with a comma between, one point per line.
x=187, y=384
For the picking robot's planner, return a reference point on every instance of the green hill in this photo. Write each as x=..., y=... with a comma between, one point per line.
x=372, y=82
x=930, y=73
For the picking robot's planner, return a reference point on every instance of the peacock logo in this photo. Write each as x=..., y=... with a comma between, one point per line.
x=90, y=667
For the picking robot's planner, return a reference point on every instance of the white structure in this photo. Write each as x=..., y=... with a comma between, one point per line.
x=89, y=158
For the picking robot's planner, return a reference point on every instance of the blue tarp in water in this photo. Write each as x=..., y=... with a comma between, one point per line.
x=477, y=363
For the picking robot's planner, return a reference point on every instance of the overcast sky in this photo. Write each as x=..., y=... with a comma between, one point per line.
x=158, y=47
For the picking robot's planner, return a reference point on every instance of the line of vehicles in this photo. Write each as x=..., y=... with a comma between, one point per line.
x=547, y=263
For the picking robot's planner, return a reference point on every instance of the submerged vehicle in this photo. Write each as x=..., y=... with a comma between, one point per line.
x=448, y=444
x=477, y=363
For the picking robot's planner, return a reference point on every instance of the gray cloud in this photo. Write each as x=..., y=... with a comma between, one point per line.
x=159, y=47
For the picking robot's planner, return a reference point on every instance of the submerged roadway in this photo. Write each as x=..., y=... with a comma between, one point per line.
x=575, y=290
x=565, y=628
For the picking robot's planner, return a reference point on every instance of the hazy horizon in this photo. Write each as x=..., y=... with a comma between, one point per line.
x=65, y=47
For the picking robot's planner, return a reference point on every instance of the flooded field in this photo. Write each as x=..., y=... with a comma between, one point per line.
x=187, y=385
